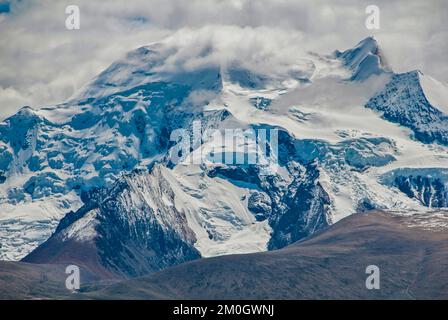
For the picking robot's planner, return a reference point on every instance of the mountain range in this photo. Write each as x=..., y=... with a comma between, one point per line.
x=93, y=181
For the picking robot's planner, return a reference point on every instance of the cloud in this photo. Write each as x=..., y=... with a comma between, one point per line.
x=255, y=48
x=43, y=63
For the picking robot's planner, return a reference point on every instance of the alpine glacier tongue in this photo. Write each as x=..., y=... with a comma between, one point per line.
x=97, y=172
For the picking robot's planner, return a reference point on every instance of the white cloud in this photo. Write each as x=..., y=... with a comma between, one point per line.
x=43, y=63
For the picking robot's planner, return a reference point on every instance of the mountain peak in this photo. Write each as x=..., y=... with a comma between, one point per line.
x=370, y=41
x=365, y=59
x=26, y=111
x=151, y=64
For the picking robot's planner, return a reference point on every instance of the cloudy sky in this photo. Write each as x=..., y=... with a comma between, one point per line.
x=42, y=63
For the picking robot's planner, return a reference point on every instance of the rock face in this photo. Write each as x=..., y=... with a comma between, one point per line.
x=260, y=204
x=429, y=186
x=132, y=229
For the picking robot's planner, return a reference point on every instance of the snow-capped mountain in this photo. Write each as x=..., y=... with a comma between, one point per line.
x=98, y=170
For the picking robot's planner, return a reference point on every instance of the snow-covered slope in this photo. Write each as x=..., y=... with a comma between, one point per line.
x=435, y=91
x=344, y=122
x=405, y=101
